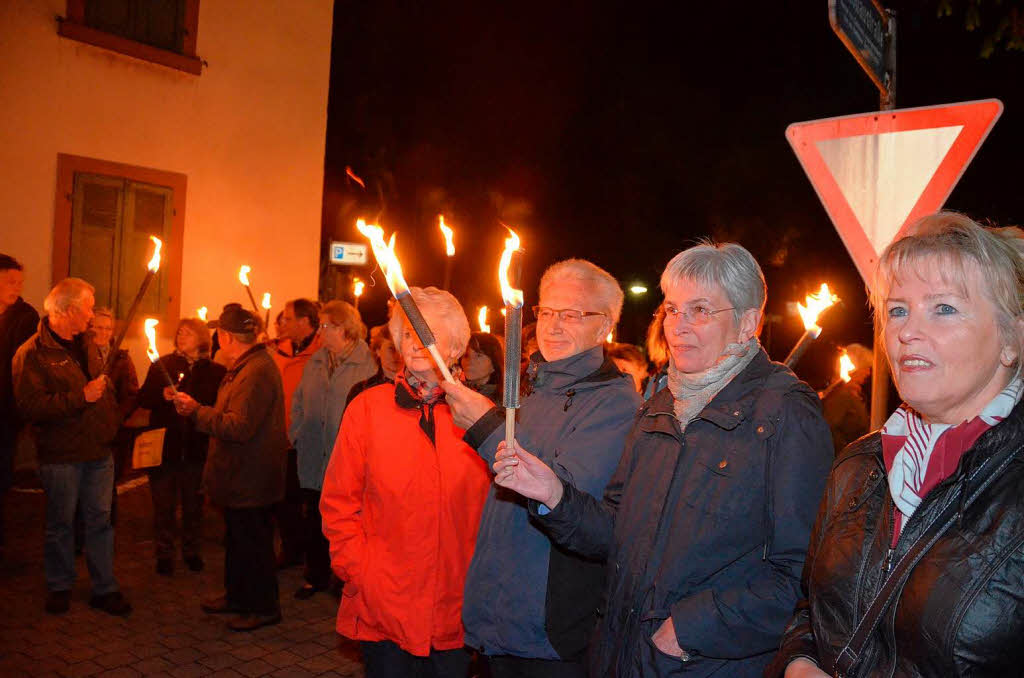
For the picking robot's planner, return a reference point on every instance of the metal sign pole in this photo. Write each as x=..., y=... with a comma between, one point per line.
x=880, y=368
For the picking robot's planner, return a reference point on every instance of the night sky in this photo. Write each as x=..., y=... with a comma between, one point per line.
x=621, y=133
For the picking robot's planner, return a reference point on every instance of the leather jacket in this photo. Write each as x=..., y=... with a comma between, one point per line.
x=961, y=611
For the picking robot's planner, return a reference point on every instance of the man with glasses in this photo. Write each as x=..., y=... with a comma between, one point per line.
x=528, y=606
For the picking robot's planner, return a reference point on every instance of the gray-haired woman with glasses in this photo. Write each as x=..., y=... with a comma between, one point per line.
x=705, y=523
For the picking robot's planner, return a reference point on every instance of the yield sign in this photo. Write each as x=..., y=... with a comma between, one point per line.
x=876, y=173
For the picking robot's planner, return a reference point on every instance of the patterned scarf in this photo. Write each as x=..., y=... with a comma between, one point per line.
x=918, y=455
x=692, y=392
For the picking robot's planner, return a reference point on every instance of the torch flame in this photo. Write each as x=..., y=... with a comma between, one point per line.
x=449, y=246
x=813, y=305
x=154, y=263
x=201, y=312
x=150, y=331
x=510, y=295
x=610, y=338
x=481, y=319
x=358, y=288
x=385, y=255
x=846, y=366
x=243, y=275
x=266, y=301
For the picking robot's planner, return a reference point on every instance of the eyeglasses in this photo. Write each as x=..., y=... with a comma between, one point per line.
x=329, y=326
x=567, y=315
x=697, y=314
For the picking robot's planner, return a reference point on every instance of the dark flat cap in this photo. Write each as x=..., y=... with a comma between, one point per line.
x=236, y=319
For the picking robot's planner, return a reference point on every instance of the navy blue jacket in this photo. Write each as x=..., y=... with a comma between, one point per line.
x=524, y=597
x=709, y=526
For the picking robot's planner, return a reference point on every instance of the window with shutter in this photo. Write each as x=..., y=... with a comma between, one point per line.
x=111, y=221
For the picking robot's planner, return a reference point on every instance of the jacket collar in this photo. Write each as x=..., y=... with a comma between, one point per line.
x=48, y=341
x=247, y=357
x=360, y=353
x=589, y=367
x=727, y=409
x=307, y=346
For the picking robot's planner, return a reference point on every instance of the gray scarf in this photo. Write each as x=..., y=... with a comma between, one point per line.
x=692, y=392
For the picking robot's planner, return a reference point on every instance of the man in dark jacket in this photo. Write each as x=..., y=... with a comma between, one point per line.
x=60, y=388
x=245, y=469
x=18, y=322
x=530, y=606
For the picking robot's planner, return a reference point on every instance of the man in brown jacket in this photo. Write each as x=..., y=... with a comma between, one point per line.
x=60, y=389
x=245, y=469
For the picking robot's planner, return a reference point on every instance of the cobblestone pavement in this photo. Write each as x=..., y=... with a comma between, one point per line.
x=166, y=634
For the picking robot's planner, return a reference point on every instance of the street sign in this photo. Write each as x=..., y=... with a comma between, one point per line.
x=348, y=253
x=876, y=173
x=862, y=25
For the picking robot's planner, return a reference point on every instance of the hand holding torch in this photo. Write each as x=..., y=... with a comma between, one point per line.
x=392, y=269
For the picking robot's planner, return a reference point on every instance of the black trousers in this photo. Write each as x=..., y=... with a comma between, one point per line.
x=318, y=549
x=170, y=483
x=250, y=569
x=288, y=514
x=384, y=659
x=507, y=666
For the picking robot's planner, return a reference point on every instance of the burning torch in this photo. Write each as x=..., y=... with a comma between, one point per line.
x=392, y=269
x=513, y=299
x=154, y=355
x=357, y=290
x=449, y=250
x=152, y=268
x=481, y=319
x=266, y=305
x=812, y=307
x=201, y=313
x=243, y=277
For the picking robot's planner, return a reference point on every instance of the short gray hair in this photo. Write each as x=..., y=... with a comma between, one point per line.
x=69, y=293
x=958, y=243
x=443, y=313
x=598, y=282
x=725, y=265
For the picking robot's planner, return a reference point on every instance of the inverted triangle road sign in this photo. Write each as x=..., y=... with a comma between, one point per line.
x=876, y=173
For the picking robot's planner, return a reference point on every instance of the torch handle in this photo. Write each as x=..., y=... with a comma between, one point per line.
x=445, y=372
x=167, y=376
x=798, y=351
x=510, y=426
x=513, y=352
x=253, y=300
x=119, y=339
x=416, y=319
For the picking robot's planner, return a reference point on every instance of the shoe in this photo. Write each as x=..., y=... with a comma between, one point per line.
x=306, y=592
x=251, y=622
x=112, y=603
x=164, y=566
x=195, y=563
x=217, y=605
x=58, y=602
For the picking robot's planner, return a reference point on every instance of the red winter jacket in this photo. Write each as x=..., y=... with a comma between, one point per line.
x=291, y=367
x=401, y=514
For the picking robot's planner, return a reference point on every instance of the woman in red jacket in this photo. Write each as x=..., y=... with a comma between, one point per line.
x=401, y=503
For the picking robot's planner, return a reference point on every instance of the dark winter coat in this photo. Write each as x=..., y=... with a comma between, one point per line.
x=17, y=324
x=708, y=527
x=525, y=597
x=961, y=612
x=245, y=466
x=49, y=388
x=182, y=442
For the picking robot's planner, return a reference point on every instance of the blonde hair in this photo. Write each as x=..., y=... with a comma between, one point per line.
x=958, y=244
x=66, y=295
x=599, y=283
x=435, y=305
x=345, y=316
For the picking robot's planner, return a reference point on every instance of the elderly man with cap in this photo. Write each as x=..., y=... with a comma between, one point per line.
x=245, y=469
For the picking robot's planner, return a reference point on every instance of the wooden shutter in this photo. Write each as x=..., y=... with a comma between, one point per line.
x=147, y=211
x=160, y=23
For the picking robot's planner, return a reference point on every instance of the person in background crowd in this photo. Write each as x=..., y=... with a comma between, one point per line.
x=389, y=361
x=704, y=525
x=531, y=607
x=844, y=404
x=180, y=472
x=317, y=405
x=529, y=345
x=122, y=377
x=59, y=387
x=401, y=505
x=299, y=340
x=657, y=353
x=483, y=365
x=630, y=361
x=245, y=469
x=18, y=322
x=925, y=515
